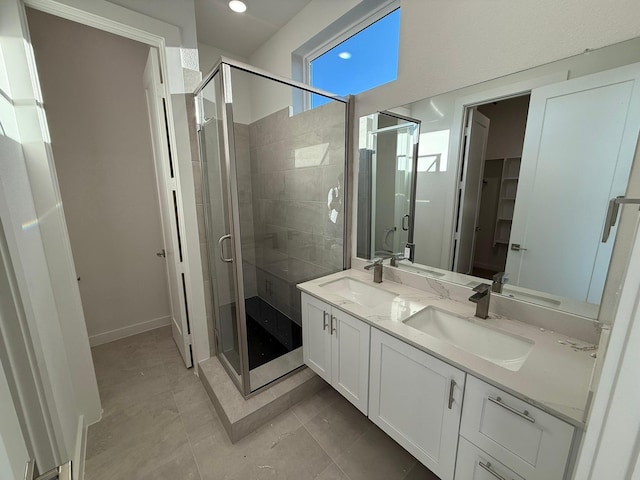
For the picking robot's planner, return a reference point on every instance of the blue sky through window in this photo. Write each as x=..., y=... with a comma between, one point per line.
x=364, y=61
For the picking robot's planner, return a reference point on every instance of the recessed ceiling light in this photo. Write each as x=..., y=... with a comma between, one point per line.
x=344, y=55
x=237, y=6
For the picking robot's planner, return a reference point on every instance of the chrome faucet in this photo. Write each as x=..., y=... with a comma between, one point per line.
x=499, y=279
x=481, y=298
x=377, y=269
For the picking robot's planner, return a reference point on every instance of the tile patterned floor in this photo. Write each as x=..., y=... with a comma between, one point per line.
x=159, y=424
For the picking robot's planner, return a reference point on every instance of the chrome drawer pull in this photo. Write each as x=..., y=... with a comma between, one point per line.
x=487, y=467
x=525, y=414
x=325, y=324
x=451, y=387
x=334, y=329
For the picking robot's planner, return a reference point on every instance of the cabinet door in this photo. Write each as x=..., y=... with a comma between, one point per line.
x=474, y=464
x=316, y=343
x=417, y=400
x=350, y=358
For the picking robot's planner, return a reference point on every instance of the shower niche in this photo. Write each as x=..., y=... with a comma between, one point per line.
x=273, y=172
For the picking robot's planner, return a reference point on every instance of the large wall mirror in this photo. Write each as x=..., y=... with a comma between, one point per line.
x=513, y=175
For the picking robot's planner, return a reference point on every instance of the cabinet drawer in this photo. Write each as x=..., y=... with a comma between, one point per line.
x=525, y=439
x=474, y=464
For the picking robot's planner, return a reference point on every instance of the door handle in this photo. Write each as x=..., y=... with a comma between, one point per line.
x=517, y=248
x=220, y=243
x=162, y=253
x=405, y=226
x=612, y=214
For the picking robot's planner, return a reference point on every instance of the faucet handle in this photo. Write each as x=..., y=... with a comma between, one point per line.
x=482, y=288
x=377, y=261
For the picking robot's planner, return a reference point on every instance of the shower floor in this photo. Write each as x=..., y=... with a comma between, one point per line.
x=270, y=333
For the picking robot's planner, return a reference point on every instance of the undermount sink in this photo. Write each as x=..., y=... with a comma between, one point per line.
x=502, y=348
x=359, y=292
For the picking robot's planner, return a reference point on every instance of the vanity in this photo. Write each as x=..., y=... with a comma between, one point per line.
x=469, y=398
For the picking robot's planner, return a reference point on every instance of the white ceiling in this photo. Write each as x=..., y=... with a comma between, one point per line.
x=242, y=34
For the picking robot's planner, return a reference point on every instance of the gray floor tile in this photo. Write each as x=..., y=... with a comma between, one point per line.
x=309, y=408
x=375, y=456
x=293, y=456
x=420, y=472
x=218, y=458
x=332, y=472
x=133, y=425
x=338, y=426
x=131, y=386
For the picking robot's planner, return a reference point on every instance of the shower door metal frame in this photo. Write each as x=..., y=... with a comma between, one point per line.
x=223, y=67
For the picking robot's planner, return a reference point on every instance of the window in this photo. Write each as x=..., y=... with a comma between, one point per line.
x=363, y=61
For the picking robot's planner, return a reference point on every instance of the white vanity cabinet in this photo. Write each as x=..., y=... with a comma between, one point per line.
x=336, y=347
x=522, y=438
x=417, y=400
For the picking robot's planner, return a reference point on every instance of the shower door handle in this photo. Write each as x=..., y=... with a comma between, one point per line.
x=220, y=243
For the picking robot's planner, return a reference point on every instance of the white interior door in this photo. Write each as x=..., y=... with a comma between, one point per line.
x=168, y=196
x=578, y=151
x=477, y=134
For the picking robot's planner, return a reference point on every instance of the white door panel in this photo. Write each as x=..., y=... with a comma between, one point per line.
x=168, y=206
x=578, y=150
x=474, y=156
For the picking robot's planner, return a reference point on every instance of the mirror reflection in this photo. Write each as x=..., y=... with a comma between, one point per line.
x=514, y=178
x=385, y=185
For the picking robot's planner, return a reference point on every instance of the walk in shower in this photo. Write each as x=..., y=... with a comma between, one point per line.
x=274, y=171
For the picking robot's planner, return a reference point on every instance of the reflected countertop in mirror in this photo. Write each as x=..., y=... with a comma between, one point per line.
x=515, y=175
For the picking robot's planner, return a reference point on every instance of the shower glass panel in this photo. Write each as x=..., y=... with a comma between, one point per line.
x=215, y=192
x=286, y=190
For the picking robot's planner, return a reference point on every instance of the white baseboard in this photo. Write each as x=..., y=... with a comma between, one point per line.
x=124, y=332
x=77, y=464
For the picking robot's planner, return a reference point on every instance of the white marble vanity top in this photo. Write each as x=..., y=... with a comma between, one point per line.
x=555, y=377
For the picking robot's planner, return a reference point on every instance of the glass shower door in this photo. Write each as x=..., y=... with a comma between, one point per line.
x=219, y=228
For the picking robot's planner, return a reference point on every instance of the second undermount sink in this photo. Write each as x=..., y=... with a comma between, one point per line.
x=359, y=292
x=499, y=347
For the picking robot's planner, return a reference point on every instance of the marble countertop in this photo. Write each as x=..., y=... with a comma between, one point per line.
x=555, y=377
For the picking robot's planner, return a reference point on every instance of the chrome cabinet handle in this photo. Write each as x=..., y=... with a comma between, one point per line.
x=487, y=467
x=220, y=241
x=334, y=329
x=525, y=414
x=451, y=387
x=324, y=320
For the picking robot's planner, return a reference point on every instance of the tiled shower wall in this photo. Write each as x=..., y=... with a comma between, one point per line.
x=295, y=161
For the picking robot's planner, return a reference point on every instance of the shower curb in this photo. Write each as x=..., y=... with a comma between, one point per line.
x=242, y=416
